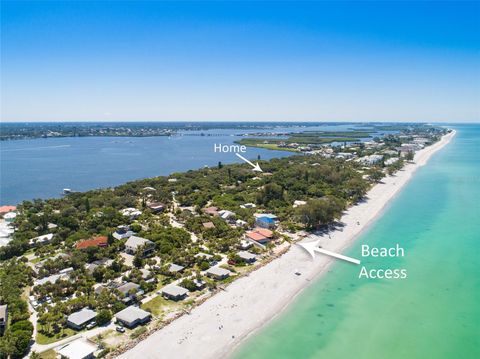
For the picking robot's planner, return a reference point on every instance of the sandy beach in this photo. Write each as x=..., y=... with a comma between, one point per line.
x=215, y=328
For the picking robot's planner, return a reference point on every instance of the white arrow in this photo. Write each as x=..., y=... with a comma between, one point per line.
x=312, y=247
x=255, y=167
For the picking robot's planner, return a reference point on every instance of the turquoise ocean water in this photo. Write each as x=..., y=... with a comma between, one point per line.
x=434, y=313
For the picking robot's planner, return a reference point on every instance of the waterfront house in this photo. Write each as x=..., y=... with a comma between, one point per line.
x=80, y=319
x=134, y=243
x=247, y=256
x=174, y=292
x=199, y=284
x=77, y=349
x=259, y=235
x=218, y=273
x=391, y=161
x=132, y=316
x=3, y=318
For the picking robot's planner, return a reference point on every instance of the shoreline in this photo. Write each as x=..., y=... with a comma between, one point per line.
x=219, y=326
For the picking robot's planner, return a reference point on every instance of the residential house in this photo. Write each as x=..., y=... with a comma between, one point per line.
x=101, y=241
x=370, y=160
x=266, y=220
x=132, y=316
x=248, y=205
x=134, y=243
x=259, y=236
x=90, y=267
x=123, y=232
x=77, y=349
x=41, y=240
x=391, y=161
x=131, y=213
x=199, y=284
x=156, y=207
x=130, y=291
x=208, y=225
x=247, y=256
x=175, y=268
x=226, y=215
x=241, y=223
x=64, y=274
x=6, y=209
x=218, y=273
x=174, y=292
x=203, y=256
x=244, y=244
x=212, y=211
x=80, y=319
x=10, y=217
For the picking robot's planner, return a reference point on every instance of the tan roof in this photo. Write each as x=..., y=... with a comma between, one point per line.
x=209, y=225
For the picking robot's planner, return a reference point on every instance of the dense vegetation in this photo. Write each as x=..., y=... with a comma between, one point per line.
x=15, y=275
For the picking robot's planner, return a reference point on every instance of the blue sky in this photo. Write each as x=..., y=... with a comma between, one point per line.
x=230, y=61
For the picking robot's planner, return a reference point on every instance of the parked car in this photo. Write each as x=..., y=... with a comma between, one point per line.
x=120, y=329
x=91, y=325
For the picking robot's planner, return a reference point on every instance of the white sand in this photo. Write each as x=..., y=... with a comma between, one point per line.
x=252, y=301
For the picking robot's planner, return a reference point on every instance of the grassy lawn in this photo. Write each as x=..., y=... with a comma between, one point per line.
x=158, y=305
x=64, y=333
x=49, y=354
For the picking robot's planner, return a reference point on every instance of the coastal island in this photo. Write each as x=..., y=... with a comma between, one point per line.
x=191, y=253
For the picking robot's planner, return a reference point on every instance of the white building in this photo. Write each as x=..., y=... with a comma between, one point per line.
x=77, y=349
x=134, y=243
x=370, y=160
x=131, y=213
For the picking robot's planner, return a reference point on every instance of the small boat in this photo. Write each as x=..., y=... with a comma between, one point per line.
x=67, y=191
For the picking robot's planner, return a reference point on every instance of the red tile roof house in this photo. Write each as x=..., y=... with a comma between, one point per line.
x=101, y=241
x=260, y=235
x=6, y=209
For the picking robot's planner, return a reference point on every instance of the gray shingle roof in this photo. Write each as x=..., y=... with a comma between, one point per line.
x=125, y=288
x=136, y=242
x=174, y=290
x=132, y=313
x=82, y=316
x=218, y=271
x=175, y=268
